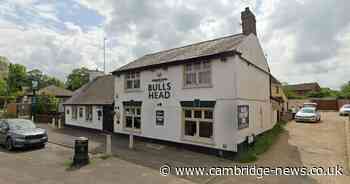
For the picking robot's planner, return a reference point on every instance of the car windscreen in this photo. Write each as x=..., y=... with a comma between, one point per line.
x=308, y=110
x=20, y=124
x=346, y=106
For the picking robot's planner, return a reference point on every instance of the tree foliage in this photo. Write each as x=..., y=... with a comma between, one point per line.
x=3, y=87
x=77, y=78
x=46, y=104
x=345, y=91
x=43, y=80
x=323, y=93
x=17, y=78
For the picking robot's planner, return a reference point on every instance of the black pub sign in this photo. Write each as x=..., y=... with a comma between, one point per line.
x=159, y=89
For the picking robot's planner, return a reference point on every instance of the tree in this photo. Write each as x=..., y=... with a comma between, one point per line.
x=345, y=91
x=324, y=92
x=43, y=80
x=77, y=78
x=17, y=78
x=3, y=87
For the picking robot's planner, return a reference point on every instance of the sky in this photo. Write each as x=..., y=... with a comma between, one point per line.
x=304, y=40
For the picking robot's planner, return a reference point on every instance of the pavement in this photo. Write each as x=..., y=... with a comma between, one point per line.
x=51, y=166
x=302, y=144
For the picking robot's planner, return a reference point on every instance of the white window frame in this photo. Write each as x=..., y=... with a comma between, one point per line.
x=134, y=78
x=81, y=112
x=133, y=116
x=74, y=112
x=196, y=137
x=195, y=69
x=88, y=113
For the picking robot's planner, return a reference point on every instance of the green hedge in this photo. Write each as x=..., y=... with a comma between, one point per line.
x=263, y=143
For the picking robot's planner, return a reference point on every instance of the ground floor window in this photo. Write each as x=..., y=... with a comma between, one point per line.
x=81, y=112
x=88, y=112
x=132, y=117
x=74, y=112
x=198, y=123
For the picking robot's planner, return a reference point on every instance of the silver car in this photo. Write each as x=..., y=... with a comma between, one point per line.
x=308, y=114
x=20, y=133
x=345, y=110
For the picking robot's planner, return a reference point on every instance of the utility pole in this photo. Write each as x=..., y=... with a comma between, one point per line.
x=104, y=55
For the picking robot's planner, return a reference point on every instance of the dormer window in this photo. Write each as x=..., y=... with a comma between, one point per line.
x=197, y=74
x=132, y=80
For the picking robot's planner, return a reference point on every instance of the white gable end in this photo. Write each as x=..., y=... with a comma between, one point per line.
x=252, y=51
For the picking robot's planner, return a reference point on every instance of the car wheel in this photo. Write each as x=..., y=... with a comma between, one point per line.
x=42, y=146
x=9, y=144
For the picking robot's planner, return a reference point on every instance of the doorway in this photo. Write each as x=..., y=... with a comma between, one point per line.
x=108, y=123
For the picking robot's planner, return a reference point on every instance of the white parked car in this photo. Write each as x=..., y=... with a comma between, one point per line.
x=345, y=110
x=308, y=114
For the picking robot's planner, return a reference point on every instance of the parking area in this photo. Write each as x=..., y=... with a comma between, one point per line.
x=321, y=144
x=302, y=144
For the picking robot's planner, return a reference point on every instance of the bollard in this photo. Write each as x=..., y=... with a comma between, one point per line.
x=108, y=144
x=53, y=123
x=81, y=152
x=131, y=141
x=59, y=123
x=33, y=118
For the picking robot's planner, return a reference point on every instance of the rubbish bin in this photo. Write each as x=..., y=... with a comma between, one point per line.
x=81, y=152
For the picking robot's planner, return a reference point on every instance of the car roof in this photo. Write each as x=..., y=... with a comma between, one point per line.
x=348, y=105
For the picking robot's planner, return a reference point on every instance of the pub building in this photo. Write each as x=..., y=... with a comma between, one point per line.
x=213, y=94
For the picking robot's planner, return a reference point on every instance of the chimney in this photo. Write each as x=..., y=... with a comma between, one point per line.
x=248, y=22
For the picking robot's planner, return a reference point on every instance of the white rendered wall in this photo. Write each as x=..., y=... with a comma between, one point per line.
x=233, y=83
x=81, y=121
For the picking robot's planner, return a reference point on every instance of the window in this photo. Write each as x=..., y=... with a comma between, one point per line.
x=198, y=123
x=74, y=112
x=88, y=112
x=81, y=112
x=243, y=116
x=67, y=112
x=132, y=116
x=132, y=80
x=198, y=74
x=277, y=89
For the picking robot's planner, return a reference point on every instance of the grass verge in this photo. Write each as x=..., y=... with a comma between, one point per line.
x=263, y=143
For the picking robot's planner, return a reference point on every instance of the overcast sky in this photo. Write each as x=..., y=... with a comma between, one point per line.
x=304, y=40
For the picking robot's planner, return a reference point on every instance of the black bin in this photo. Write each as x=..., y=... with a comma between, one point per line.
x=81, y=151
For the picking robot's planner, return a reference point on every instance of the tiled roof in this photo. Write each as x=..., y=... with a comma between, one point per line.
x=99, y=91
x=304, y=86
x=201, y=49
x=54, y=90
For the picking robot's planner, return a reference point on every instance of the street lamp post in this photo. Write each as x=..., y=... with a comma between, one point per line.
x=34, y=88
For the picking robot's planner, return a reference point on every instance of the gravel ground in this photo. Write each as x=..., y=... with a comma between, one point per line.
x=321, y=145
